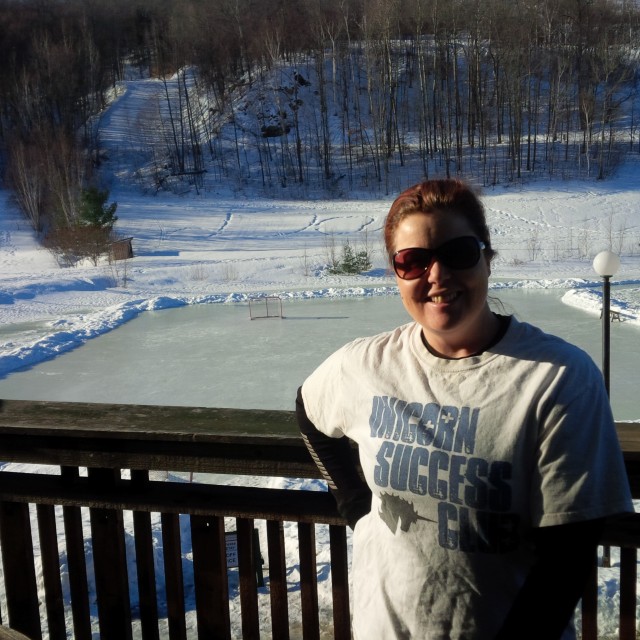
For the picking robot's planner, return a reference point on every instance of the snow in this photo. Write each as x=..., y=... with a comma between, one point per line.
x=221, y=250
x=223, y=245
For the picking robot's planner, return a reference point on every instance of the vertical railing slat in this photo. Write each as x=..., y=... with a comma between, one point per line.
x=308, y=581
x=278, y=580
x=19, y=569
x=590, y=604
x=145, y=567
x=628, y=592
x=248, y=580
x=77, y=564
x=110, y=562
x=174, y=582
x=50, y=558
x=340, y=583
x=210, y=577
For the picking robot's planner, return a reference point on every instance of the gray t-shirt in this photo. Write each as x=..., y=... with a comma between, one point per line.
x=464, y=457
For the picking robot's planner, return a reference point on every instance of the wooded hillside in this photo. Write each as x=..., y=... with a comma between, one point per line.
x=329, y=94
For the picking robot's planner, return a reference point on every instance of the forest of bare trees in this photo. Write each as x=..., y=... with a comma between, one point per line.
x=345, y=92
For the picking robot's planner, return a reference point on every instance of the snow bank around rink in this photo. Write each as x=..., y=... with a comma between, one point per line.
x=584, y=294
x=75, y=330
x=590, y=300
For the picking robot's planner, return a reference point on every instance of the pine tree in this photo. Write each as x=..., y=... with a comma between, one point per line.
x=352, y=261
x=349, y=259
x=93, y=210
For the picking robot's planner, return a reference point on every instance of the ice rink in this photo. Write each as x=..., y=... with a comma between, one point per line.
x=214, y=355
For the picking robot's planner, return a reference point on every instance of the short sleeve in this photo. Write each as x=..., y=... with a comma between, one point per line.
x=580, y=473
x=323, y=393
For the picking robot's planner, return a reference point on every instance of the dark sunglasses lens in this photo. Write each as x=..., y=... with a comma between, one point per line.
x=460, y=253
x=411, y=263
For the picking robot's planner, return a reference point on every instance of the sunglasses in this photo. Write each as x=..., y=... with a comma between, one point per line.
x=460, y=253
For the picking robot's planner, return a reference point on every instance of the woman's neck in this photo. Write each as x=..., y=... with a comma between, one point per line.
x=493, y=330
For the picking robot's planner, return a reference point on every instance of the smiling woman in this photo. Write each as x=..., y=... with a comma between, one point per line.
x=448, y=298
x=485, y=479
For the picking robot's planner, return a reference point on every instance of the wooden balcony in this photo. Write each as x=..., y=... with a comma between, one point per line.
x=89, y=446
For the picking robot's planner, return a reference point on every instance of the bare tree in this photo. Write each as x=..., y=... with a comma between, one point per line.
x=26, y=176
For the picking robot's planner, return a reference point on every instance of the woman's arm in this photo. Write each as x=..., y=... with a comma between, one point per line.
x=334, y=458
x=565, y=557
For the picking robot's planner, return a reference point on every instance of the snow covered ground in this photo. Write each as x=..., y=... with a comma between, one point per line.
x=225, y=245
x=218, y=249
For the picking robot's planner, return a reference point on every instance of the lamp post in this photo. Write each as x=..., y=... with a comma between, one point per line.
x=606, y=264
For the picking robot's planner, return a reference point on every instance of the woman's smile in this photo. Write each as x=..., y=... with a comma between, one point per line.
x=443, y=298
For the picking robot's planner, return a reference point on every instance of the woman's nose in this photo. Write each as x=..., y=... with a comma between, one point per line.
x=436, y=271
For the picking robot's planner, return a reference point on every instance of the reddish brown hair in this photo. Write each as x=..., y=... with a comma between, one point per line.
x=438, y=196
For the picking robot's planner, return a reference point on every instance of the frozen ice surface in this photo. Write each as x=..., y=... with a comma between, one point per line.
x=214, y=355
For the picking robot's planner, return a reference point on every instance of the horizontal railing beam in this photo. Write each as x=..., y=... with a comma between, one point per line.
x=172, y=497
x=142, y=437
x=255, y=456
x=148, y=421
x=623, y=531
x=194, y=439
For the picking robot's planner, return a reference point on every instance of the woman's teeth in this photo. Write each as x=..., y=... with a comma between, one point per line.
x=448, y=297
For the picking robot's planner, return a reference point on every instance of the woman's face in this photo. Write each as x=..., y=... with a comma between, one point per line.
x=449, y=304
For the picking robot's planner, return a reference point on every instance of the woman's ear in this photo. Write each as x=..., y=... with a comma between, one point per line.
x=488, y=261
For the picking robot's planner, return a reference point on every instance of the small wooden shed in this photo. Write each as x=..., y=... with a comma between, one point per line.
x=122, y=249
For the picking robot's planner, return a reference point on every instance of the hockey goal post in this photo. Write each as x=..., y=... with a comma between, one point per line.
x=265, y=307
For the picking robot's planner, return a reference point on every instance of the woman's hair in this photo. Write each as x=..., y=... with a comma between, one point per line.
x=438, y=196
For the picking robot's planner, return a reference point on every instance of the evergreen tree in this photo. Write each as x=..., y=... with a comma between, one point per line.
x=93, y=210
x=352, y=261
x=349, y=259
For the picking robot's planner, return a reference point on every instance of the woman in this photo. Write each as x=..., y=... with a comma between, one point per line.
x=488, y=447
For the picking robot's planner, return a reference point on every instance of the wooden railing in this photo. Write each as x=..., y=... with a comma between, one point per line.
x=47, y=511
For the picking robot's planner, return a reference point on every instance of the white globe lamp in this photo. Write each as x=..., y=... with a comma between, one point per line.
x=606, y=264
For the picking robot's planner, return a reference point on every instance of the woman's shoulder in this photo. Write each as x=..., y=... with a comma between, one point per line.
x=529, y=341
x=368, y=353
x=372, y=350
x=385, y=339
